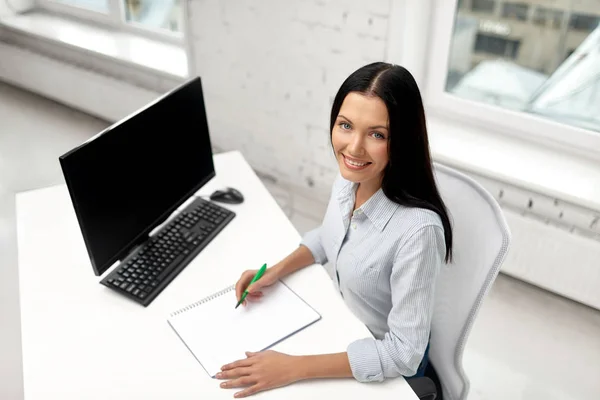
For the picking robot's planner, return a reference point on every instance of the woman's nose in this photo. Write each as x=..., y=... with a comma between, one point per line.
x=355, y=147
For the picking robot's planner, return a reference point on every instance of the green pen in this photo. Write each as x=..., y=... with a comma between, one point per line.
x=260, y=273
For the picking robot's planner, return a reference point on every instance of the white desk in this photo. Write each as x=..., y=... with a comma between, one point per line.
x=84, y=341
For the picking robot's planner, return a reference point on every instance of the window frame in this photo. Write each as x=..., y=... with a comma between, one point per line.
x=114, y=19
x=490, y=118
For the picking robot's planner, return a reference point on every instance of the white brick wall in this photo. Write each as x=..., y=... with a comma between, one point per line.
x=270, y=70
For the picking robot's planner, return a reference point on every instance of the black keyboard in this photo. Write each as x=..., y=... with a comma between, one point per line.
x=149, y=269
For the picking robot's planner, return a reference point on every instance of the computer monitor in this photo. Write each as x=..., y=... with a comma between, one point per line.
x=130, y=177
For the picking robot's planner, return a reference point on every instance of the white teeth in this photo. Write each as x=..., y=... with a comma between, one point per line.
x=355, y=163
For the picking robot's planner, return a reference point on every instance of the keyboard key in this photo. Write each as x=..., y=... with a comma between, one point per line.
x=130, y=288
x=142, y=295
x=124, y=285
x=136, y=292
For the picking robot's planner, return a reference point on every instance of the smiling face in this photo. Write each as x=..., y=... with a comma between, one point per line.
x=360, y=139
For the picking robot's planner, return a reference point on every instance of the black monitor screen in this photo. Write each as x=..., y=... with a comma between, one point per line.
x=132, y=176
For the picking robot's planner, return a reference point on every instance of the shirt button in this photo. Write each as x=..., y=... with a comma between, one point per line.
x=353, y=226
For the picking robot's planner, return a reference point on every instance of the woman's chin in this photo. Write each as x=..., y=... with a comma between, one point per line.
x=350, y=175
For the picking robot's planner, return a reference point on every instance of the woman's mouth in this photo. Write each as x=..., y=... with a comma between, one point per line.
x=355, y=164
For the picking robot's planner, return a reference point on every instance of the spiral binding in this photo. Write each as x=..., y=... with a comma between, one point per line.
x=204, y=300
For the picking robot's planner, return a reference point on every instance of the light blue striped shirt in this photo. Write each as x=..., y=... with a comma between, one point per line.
x=384, y=260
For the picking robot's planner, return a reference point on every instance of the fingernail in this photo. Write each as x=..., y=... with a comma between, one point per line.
x=223, y=384
x=219, y=375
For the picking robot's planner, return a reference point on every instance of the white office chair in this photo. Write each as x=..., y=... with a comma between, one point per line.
x=481, y=240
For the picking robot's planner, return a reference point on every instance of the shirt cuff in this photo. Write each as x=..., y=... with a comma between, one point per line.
x=312, y=240
x=364, y=360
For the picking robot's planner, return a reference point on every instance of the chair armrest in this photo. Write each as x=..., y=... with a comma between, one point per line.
x=423, y=387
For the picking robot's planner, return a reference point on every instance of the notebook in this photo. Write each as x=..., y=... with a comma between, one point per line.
x=216, y=333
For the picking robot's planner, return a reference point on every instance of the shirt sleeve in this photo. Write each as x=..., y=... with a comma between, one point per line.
x=312, y=240
x=412, y=284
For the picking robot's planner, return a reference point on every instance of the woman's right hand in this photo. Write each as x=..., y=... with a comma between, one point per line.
x=254, y=291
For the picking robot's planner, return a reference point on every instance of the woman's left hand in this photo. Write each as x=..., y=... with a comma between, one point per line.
x=260, y=371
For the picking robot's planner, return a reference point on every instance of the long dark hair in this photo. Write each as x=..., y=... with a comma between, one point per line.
x=408, y=177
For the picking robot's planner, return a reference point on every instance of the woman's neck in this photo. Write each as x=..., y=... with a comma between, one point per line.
x=364, y=191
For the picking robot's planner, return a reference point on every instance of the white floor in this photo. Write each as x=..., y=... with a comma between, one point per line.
x=526, y=344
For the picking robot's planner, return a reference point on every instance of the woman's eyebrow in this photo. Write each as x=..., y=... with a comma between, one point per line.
x=371, y=127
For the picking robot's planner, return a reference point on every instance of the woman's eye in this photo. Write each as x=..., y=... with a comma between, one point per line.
x=345, y=125
x=378, y=135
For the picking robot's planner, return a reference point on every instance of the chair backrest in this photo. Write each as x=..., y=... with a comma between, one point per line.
x=481, y=240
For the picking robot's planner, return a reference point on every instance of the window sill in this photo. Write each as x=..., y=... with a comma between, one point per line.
x=166, y=60
x=530, y=166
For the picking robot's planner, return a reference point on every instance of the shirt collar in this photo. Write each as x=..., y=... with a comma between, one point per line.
x=378, y=208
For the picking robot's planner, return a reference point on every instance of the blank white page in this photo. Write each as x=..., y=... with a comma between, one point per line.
x=216, y=333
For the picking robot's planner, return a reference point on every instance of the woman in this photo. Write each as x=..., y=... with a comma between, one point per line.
x=384, y=238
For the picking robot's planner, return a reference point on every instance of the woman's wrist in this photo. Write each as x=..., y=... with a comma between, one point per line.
x=322, y=366
x=302, y=369
x=278, y=270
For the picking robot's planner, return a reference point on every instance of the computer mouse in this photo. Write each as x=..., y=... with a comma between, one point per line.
x=229, y=195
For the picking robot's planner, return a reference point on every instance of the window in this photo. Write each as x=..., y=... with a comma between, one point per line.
x=541, y=81
x=162, y=18
x=163, y=14
x=483, y=5
x=583, y=22
x=496, y=45
x=547, y=17
x=515, y=11
x=537, y=79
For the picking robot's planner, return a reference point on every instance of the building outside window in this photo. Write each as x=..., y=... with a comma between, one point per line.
x=537, y=56
x=157, y=17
